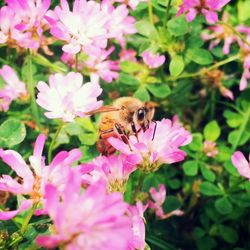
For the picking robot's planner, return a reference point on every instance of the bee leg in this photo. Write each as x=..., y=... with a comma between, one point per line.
x=135, y=131
x=154, y=129
x=103, y=132
x=123, y=135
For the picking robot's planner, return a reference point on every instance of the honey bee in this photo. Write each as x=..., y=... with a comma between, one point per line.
x=127, y=115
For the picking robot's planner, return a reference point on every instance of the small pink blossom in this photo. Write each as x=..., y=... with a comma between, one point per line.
x=159, y=144
x=119, y=22
x=210, y=148
x=131, y=3
x=90, y=220
x=127, y=55
x=138, y=226
x=114, y=170
x=208, y=8
x=159, y=198
x=226, y=92
x=241, y=163
x=218, y=33
x=13, y=89
x=100, y=66
x=153, y=60
x=66, y=97
x=35, y=175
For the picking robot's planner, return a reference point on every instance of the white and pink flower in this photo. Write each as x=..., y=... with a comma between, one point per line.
x=66, y=97
x=13, y=89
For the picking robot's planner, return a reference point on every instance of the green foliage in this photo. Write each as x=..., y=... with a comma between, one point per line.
x=12, y=132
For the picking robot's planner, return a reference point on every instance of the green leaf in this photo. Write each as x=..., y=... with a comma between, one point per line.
x=228, y=234
x=130, y=67
x=159, y=90
x=230, y=168
x=12, y=132
x=196, y=144
x=142, y=94
x=178, y=26
x=212, y=131
x=176, y=65
x=238, y=136
x=145, y=28
x=206, y=243
x=190, y=168
x=233, y=119
x=171, y=203
x=207, y=174
x=223, y=205
x=128, y=79
x=243, y=10
x=200, y=56
x=209, y=189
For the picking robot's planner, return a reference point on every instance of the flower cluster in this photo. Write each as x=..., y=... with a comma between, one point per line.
x=22, y=24
x=35, y=176
x=159, y=144
x=208, y=8
x=66, y=97
x=13, y=89
x=159, y=198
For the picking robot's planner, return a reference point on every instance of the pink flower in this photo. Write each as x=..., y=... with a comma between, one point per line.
x=8, y=20
x=35, y=175
x=85, y=26
x=218, y=33
x=153, y=61
x=90, y=220
x=241, y=163
x=66, y=97
x=131, y=3
x=100, y=67
x=13, y=89
x=114, y=170
x=208, y=8
x=226, y=92
x=245, y=54
x=210, y=148
x=30, y=25
x=119, y=23
x=159, y=198
x=157, y=145
x=127, y=55
x=138, y=226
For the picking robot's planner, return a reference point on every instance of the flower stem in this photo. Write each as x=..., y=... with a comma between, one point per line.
x=244, y=40
x=150, y=12
x=167, y=12
x=30, y=85
x=242, y=129
x=201, y=72
x=52, y=144
x=27, y=220
x=76, y=63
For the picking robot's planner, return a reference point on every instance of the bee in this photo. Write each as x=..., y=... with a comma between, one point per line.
x=127, y=115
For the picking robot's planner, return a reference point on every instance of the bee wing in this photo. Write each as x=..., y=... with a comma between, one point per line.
x=102, y=110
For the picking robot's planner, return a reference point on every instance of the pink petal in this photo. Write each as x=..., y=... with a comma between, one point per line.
x=26, y=204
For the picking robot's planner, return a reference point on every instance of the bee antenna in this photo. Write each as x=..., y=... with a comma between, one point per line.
x=154, y=129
